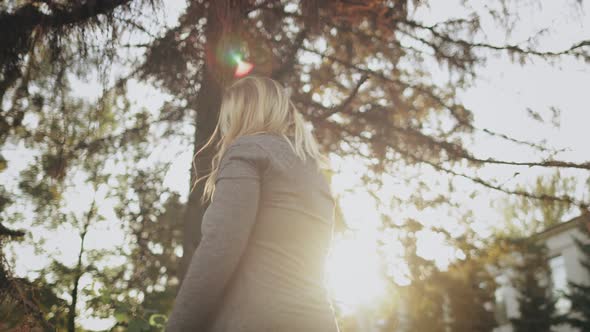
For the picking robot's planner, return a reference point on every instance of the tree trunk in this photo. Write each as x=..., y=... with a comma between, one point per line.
x=207, y=105
x=71, y=324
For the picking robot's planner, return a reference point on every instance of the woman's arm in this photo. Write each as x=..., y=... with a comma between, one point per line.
x=226, y=227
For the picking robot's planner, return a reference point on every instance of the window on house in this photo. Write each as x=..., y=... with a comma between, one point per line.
x=559, y=283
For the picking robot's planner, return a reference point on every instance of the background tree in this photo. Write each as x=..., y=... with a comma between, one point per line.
x=423, y=298
x=469, y=286
x=525, y=216
x=529, y=269
x=579, y=293
x=470, y=293
x=536, y=301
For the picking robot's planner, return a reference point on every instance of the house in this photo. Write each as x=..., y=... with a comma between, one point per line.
x=564, y=262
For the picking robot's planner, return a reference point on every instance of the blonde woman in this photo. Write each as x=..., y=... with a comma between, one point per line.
x=260, y=263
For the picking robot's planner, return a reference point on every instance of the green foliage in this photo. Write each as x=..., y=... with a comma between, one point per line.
x=536, y=301
x=470, y=289
x=424, y=297
x=34, y=301
x=458, y=298
x=579, y=292
x=525, y=216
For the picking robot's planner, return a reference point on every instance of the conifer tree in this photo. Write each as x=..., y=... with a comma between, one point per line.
x=579, y=292
x=423, y=298
x=470, y=290
x=536, y=301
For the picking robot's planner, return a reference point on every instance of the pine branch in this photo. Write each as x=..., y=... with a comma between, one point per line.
x=345, y=103
x=129, y=131
x=290, y=57
x=67, y=16
x=20, y=29
x=4, y=231
x=460, y=119
x=465, y=155
x=511, y=48
x=517, y=141
x=451, y=108
x=543, y=197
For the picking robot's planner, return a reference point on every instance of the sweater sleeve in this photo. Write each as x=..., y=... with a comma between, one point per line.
x=226, y=227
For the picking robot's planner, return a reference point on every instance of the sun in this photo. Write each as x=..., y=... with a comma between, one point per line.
x=352, y=273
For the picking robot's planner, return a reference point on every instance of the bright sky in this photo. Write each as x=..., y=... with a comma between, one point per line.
x=499, y=100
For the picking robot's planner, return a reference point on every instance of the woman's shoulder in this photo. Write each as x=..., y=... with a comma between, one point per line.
x=265, y=148
x=262, y=143
x=260, y=147
x=259, y=138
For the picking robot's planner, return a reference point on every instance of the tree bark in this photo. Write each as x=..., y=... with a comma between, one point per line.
x=79, y=271
x=207, y=105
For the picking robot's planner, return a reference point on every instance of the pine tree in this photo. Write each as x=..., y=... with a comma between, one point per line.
x=470, y=293
x=423, y=298
x=536, y=302
x=579, y=293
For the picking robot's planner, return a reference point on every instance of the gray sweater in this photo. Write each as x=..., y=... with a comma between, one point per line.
x=265, y=236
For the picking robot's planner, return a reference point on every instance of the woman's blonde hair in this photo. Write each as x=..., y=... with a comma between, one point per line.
x=257, y=104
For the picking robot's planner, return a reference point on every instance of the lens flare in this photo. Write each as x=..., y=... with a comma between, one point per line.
x=243, y=69
x=237, y=58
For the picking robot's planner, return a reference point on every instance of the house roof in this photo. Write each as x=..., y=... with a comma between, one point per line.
x=563, y=226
